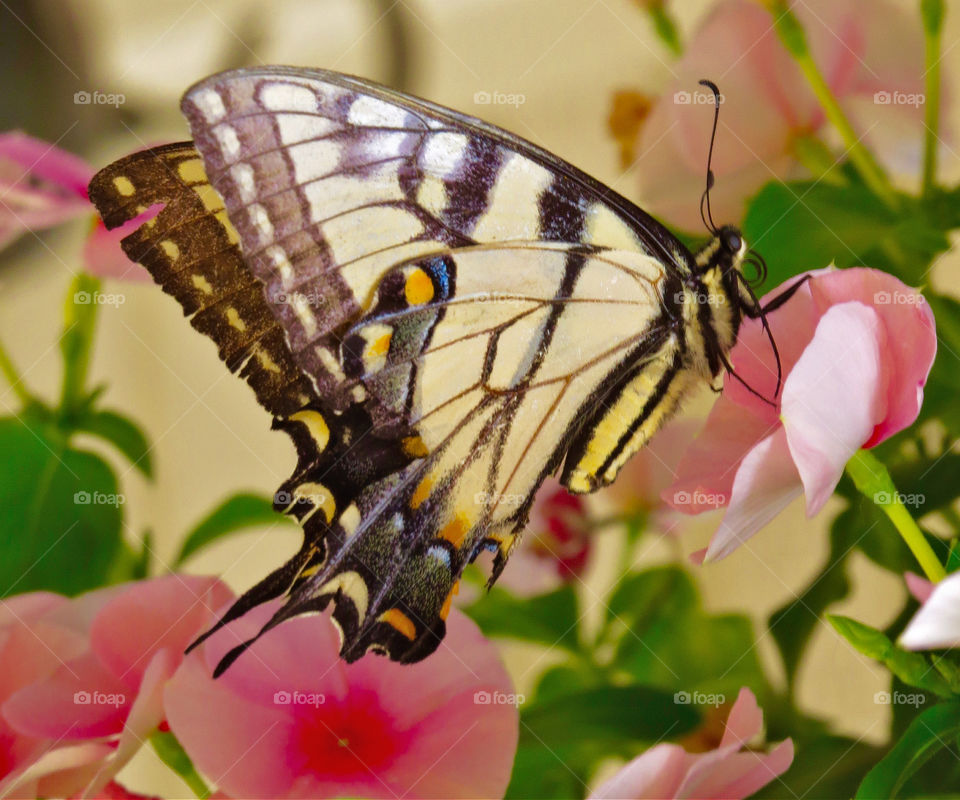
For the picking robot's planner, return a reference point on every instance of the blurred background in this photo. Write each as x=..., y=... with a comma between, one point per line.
x=562, y=61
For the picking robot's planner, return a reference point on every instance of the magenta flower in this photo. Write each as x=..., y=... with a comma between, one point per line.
x=290, y=719
x=555, y=547
x=93, y=668
x=730, y=771
x=871, y=57
x=856, y=346
x=42, y=186
x=937, y=624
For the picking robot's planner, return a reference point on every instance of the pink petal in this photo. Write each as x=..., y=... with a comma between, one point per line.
x=834, y=397
x=766, y=482
x=911, y=341
x=706, y=473
x=736, y=775
x=657, y=773
x=163, y=613
x=81, y=700
x=744, y=722
x=103, y=256
x=919, y=587
x=937, y=624
x=46, y=161
x=144, y=718
x=57, y=772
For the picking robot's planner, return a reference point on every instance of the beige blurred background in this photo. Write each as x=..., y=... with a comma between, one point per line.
x=565, y=57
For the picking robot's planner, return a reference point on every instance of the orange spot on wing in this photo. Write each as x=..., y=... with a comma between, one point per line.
x=380, y=346
x=421, y=493
x=395, y=618
x=455, y=530
x=446, y=603
x=418, y=288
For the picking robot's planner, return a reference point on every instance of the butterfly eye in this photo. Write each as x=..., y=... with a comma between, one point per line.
x=733, y=242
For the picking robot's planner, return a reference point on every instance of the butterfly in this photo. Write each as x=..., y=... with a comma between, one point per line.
x=439, y=313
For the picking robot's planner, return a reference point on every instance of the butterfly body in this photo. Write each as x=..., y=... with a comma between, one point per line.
x=439, y=314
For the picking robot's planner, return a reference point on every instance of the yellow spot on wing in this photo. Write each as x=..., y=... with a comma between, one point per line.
x=316, y=426
x=418, y=288
x=445, y=611
x=351, y=585
x=421, y=493
x=233, y=317
x=191, y=171
x=319, y=496
x=201, y=283
x=124, y=185
x=414, y=447
x=380, y=346
x=400, y=621
x=170, y=248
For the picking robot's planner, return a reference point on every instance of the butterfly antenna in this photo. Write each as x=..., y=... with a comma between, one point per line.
x=706, y=214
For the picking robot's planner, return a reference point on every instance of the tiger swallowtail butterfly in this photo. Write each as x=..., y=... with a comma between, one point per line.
x=439, y=313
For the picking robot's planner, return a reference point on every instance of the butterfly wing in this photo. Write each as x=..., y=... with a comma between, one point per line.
x=461, y=303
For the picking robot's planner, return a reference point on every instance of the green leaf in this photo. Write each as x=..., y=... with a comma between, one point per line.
x=912, y=668
x=60, y=512
x=80, y=317
x=233, y=514
x=551, y=618
x=665, y=639
x=793, y=623
x=843, y=224
x=122, y=433
x=931, y=731
x=563, y=738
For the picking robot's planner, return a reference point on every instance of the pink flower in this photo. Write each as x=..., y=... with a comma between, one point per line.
x=555, y=546
x=42, y=186
x=862, y=49
x=90, y=688
x=730, y=771
x=856, y=347
x=937, y=624
x=290, y=719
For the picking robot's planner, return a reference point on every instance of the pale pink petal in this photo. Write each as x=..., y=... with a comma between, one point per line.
x=834, y=397
x=937, y=624
x=767, y=481
x=911, y=342
x=657, y=773
x=920, y=588
x=737, y=775
x=744, y=722
x=57, y=772
x=706, y=473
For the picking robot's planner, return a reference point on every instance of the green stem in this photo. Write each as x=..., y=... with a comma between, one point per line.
x=172, y=754
x=666, y=28
x=873, y=481
x=794, y=38
x=932, y=12
x=13, y=377
x=76, y=343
